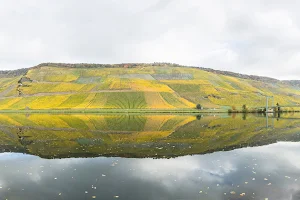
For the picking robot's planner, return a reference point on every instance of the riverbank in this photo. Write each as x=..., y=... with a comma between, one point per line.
x=139, y=111
x=103, y=111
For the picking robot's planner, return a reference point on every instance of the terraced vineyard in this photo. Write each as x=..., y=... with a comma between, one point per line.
x=137, y=86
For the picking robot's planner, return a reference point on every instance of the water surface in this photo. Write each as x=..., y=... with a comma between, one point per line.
x=149, y=157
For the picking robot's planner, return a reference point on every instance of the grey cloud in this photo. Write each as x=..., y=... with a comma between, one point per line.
x=254, y=37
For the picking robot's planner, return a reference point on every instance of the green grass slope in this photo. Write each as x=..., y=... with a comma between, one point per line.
x=138, y=86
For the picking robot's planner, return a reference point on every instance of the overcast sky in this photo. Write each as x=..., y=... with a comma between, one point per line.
x=259, y=37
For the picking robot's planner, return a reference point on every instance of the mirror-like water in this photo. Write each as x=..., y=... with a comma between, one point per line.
x=149, y=157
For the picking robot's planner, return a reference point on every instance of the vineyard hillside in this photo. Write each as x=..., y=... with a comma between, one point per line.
x=137, y=86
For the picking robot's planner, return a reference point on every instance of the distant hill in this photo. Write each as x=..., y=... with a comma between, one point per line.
x=295, y=83
x=137, y=86
x=13, y=73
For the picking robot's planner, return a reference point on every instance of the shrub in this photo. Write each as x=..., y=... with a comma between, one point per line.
x=199, y=117
x=198, y=106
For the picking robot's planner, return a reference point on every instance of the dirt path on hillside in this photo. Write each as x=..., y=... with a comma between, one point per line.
x=8, y=90
x=61, y=93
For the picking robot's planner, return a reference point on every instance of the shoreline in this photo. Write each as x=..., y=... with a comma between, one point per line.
x=121, y=111
x=138, y=111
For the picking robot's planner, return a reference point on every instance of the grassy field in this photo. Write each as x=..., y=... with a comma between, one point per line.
x=141, y=87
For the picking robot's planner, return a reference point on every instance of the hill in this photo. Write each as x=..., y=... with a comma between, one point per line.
x=137, y=86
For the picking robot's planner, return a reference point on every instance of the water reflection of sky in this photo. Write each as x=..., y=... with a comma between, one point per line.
x=268, y=172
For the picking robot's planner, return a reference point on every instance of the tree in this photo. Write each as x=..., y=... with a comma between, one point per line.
x=245, y=109
x=198, y=106
x=278, y=107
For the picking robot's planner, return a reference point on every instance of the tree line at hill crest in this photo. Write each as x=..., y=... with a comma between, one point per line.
x=23, y=71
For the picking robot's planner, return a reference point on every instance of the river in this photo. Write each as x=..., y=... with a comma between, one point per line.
x=137, y=157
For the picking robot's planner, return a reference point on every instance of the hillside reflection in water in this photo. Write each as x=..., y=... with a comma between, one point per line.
x=244, y=157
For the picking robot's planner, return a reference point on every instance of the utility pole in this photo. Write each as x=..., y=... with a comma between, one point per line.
x=267, y=109
x=267, y=103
